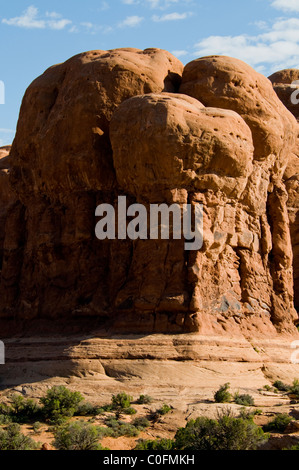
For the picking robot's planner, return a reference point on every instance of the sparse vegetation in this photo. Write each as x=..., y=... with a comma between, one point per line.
x=60, y=403
x=37, y=427
x=294, y=390
x=278, y=424
x=158, y=444
x=119, y=428
x=121, y=404
x=11, y=438
x=244, y=400
x=141, y=423
x=77, y=436
x=225, y=433
x=24, y=410
x=223, y=395
x=164, y=410
x=281, y=386
x=87, y=409
x=144, y=400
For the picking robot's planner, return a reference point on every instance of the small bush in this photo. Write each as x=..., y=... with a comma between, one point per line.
x=141, y=423
x=119, y=428
x=4, y=419
x=105, y=432
x=225, y=433
x=278, y=424
x=144, y=400
x=294, y=389
x=281, y=386
x=249, y=414
x=121, y=404
x=77, y=436
x=37, y=427
x=223, y=395
x=60, y=403
x=164, y=409
x=129, y=411
x=5, y=414
x=122, y=401
x=87, y=409
x=162, y=444
x=244, y=400
x=128, y=430
x=24, y=411
x=12, y=439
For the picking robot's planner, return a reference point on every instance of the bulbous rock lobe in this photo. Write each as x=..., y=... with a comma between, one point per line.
x=231, y=84
x=167, y=141
x=62, y=140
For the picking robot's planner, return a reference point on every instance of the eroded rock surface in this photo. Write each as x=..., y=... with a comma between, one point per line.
x=133, y=123
x=7, y=197
x=286, y=85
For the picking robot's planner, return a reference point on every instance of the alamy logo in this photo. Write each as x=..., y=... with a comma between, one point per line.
x=2, y=92
x=160, y=222
x=295, y=94
x=2, y=353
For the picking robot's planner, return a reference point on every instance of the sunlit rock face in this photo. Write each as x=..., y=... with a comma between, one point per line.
x=138, y=124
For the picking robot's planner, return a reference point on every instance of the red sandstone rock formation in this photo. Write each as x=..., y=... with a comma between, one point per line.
x=288, y=92
x=221, y=138
x=7, y=198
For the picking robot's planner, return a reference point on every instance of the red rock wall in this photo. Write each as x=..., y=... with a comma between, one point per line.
x=134, y=123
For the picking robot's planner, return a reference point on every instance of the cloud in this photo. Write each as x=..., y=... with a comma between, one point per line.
x=180, y=53
x=131, y=21
x=172, y=17
x=275, y=49
x=286, y=5
x=30, y=19
x=157, y=4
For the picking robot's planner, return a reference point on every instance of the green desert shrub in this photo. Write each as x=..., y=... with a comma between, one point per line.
x=278, y=424
x=159, y=444
x=11, y=438
x=164, y=410
x=121, y=404
x=5, y=414
x=244, y=400
x=119, y=428
x=24, y=410
x=37, y=427
x=225, y=433
x=141, y=423
x=87, y=409
x=60, y=403
x=122, y=401
x=144, y=400
x=294, y=389
x=223, y=395
x=279, y=385
x=246, y=413
x=77, y=436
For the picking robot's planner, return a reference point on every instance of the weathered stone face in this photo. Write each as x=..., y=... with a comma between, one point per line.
x=288, y=92
x=113, y=123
